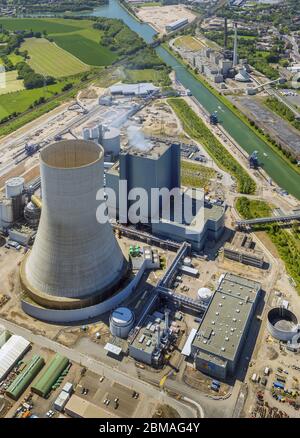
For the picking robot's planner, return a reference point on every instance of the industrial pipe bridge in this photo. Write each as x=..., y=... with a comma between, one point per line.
x=183, y=300
x=267, y=220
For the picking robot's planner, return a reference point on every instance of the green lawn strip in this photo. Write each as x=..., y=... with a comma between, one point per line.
x=287, y=243
x=197, y=129
x=232, y=108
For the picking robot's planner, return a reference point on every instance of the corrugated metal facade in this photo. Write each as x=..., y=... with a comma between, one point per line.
x=11, y=352
x=23, y=380
x=51, y=374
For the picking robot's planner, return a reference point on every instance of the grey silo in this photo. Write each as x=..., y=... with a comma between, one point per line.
x=74, y=255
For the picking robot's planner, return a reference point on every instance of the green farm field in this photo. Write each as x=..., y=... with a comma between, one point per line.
x=78, y=37
x=21, y=100
x=87, y=50
x=38, y=25
x=49, y=59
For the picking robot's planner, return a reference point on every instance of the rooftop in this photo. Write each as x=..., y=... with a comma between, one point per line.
x=147, y=337
x=153, y=152
x=224, y=322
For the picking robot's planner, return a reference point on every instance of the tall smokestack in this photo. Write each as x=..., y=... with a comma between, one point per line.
x=235, y=47
x=74, y=257
x=225, y=33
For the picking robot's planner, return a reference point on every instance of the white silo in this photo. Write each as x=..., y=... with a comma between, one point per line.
x=14, y=187
x=6, y=213
x=74, y=257
x=205, y=294
x=110, y=140
x=121, y=322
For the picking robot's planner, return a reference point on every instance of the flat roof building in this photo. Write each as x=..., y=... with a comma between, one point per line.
x=176, y=24
x=78, y=407
x=223, y=331
x=140, y=89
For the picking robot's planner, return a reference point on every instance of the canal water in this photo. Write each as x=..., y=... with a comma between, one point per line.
x=273, y=164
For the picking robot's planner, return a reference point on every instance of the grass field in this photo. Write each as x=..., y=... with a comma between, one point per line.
x=77, y=37
x=195, y=175
x=38, y=25
x=147, y=75
x=21, y=100
x=46, y=58
x=11, y=83
x=188, y=42
x=87, y=50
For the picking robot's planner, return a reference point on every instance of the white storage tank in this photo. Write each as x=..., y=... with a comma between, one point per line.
x=14, y=187
x=110, y=140
x=187, y=261
x=205, y=294
x=121, y=322
x=85, y=133
x=6, y=213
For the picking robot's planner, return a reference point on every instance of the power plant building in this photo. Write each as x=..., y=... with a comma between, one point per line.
x=156, y=167
x=222, y=333
x=159, y=167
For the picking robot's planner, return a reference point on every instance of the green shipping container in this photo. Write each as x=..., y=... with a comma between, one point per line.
x=23, y=380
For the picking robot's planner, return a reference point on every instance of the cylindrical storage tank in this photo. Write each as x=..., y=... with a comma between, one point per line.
x=121, y=322
x=7, y=215
x=110, y=140
x=85, y=133
x=75, y=254
x=14, y=187
x=205, y=294
x=282, y=324
x=187, y=261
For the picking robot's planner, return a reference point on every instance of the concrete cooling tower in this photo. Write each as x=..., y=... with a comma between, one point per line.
x=75, y=261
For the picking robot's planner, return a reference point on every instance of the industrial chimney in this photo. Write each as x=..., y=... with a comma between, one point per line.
x=74, y=257
x=225, y=33
x=235, y=47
